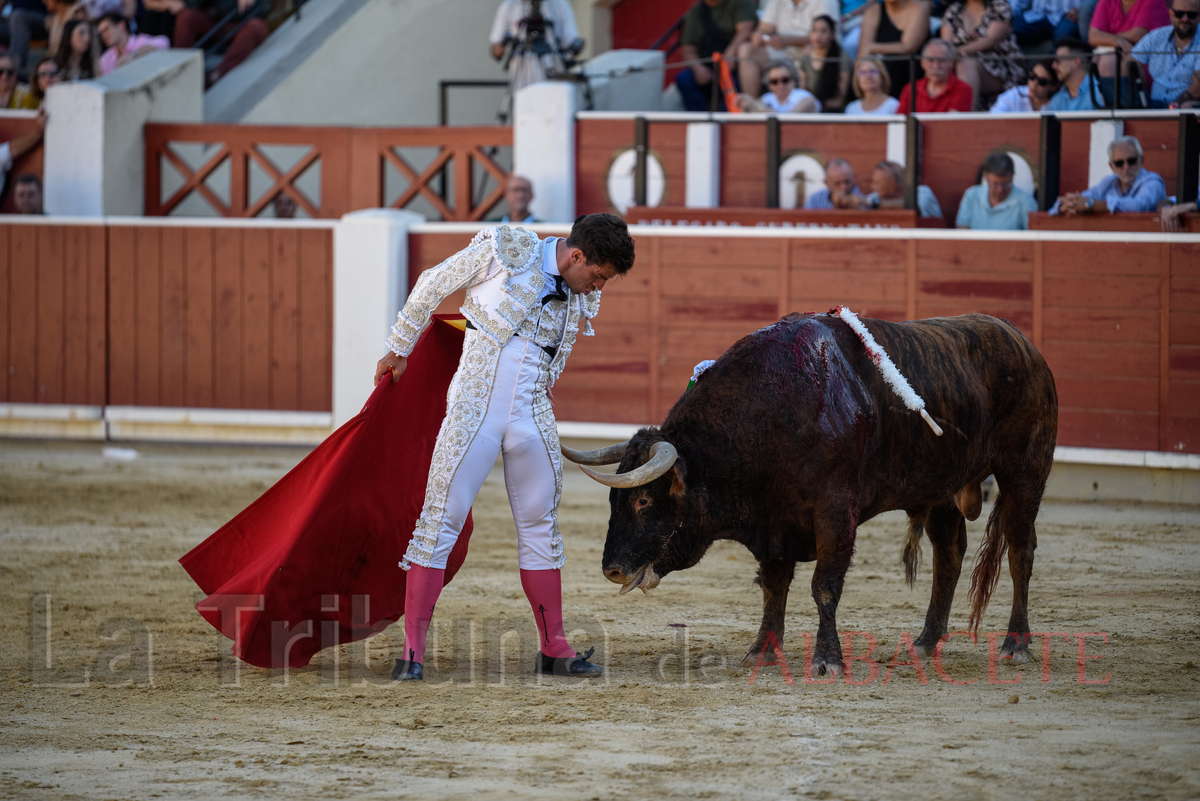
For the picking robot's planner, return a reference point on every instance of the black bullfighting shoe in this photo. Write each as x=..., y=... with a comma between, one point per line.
x=408, y=671
x=577, y=666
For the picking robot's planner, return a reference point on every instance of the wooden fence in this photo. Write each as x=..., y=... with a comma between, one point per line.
x=212, y=316
x=352, y=164
x=1119, y=322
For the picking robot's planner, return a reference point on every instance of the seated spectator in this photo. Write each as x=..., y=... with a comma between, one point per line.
x=518, y=193
x=195, y=18
x=1078, y=91
x=824, y=66
x=981, y=30
x=1130, y=188
x=887, y=191
x=123, y=46
x=939, y=90
x=1176, y=77
x=62, y=12
x=1033, y=96
x=780, y=34
x=1170, y=214
x=26, y=22
x=784, y=97
x=995, y=204
x=850, y=24
x=45, y=74
x=1116, y=26
x=711, y=26
x=12, y=150
x=78, y=55
x=895, y=28
x=98, y=8
x=1037, y=21
x=284, y=206
x=27, y=194
x=840, y=190
x=13, y=94
x=871, y=85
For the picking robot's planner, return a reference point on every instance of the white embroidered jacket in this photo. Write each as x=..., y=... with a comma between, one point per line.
x=496, y=306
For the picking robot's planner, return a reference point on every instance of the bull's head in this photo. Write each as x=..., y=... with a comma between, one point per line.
x=645, y=529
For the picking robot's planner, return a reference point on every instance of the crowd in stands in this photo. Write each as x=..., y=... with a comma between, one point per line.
x=974, y=55
x=89, y=38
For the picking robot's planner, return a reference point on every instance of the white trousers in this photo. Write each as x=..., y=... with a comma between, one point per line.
x=497, y=403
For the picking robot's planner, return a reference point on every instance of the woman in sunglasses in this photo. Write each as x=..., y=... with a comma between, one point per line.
x=785, y=97
x=12, y=94
x=45, y=74
x=1131, y=187
x=1040, y=86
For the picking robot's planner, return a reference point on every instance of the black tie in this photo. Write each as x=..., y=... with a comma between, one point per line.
x=558, y=293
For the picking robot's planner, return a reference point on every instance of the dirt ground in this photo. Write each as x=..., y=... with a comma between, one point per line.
x=141, y=700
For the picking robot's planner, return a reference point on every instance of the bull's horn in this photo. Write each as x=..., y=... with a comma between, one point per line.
x=613, y=454
x=662, y=457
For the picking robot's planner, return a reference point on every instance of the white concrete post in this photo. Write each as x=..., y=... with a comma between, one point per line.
x=95, y=161
x=544, y=147
x=897, y=143
x=1102, y=134
x=370, y=284
x=702, y=187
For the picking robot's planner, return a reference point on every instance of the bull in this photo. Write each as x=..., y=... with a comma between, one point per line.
x=792, y=439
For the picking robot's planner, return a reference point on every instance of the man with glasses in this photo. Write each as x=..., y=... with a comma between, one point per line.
x=1130, y=188
x=1171, y=57
x=995, y=204
x=940, y=89
x=1040, y=86
x=1078, y=92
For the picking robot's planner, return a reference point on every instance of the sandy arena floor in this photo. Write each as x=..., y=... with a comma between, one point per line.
x=674, y=717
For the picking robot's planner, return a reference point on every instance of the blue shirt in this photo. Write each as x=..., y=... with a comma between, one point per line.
x=821, y=200
x=1011, y=215
x=1034, y=10
x=1147, y=192
x=1172, y=74
x=1062, y=100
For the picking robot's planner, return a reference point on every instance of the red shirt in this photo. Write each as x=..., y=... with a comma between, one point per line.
x=955, y=97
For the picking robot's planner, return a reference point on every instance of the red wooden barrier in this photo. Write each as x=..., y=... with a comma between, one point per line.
x=1149, y=222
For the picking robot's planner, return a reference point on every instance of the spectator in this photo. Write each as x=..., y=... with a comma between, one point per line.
x=781, y=33
x=784, y=95
x=711, y=26
x=851, y=24
x=1078, y=91
x=285, y=207
x=528, y=67
x=12, y=93
x=871, y=85
x=26, y=22
x=124, y=47
x=1033, y=96
x=518, y=192
x=45, y=74
x=887, y=191
x=995, y=204
x=940, y=89
x=78, y=54
x=1120, y=25
x=840, y=191
x=98, y=8
x=1176, y=77
x=895, y=28
x=62, y=12
x=824, y=67
x=27, y=194
x=1130, y=188
x=12, y=150
x=1037, y=21
x=982, y=31
x=1170, y=215
x=195, y=18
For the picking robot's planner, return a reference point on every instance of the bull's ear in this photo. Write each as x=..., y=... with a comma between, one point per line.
x=678, y=478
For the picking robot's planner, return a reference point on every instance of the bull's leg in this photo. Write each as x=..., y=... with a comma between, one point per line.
x=835, y=549
x=775, y=577
x=947, y=532
x=1017, y=515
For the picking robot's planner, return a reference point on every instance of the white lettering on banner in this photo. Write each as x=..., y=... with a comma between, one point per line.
x=760, y=224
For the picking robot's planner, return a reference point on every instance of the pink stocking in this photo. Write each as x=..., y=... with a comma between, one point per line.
x=543, y=588
x=422, y=588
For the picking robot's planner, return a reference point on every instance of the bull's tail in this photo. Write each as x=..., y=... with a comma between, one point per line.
x=910, y=554
x=986, y=574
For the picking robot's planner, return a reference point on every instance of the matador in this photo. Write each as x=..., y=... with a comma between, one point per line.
x=525, y=300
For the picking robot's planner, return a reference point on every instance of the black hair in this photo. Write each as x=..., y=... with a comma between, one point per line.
x=604, y=240
x=114, y=17
x=831, y=70
x=1079, y=48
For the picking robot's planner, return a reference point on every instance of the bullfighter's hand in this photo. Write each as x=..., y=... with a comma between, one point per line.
x=391, y=361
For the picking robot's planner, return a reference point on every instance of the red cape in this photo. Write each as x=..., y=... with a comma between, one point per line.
x=315, y=561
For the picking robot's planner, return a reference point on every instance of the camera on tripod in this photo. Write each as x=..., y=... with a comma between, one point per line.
x=536, y=38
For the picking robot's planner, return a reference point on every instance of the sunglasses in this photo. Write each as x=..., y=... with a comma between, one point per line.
x=1033, y=76
x=47, y=73
x=7, y=71
x=1185, y=14
x=1119, y=163
x=777, y=81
